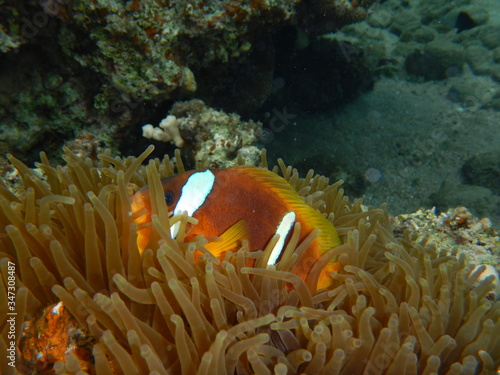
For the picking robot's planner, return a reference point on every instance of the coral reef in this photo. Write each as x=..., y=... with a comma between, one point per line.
x=398, y=305
x=147, y=49
x=15, y=28
x=106, y=67
x=41, y=102
x=215, y=137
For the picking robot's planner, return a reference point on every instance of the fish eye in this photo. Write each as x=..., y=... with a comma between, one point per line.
x=169, y=198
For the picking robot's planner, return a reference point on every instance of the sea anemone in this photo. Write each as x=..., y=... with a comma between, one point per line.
x=398, y=306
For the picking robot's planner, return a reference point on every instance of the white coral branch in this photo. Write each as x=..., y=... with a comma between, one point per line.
x=168, y=131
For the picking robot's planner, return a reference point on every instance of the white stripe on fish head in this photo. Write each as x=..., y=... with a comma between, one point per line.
x=194, y=193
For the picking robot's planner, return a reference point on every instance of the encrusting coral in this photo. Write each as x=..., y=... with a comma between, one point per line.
x=398, y=306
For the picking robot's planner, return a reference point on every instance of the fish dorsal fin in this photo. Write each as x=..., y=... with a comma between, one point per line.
x=328, y=238
x=272, y=181
x=231, y=239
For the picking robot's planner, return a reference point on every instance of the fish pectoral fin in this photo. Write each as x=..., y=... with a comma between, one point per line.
x=325, y=279
x=230, y=239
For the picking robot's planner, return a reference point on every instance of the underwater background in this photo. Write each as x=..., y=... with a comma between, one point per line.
x=399, y=99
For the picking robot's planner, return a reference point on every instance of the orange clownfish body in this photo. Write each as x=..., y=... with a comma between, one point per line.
x=245, y=203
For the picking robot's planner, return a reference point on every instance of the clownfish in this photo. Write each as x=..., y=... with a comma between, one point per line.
x=242, y=203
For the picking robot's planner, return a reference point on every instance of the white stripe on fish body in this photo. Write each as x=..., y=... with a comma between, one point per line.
x=283, y=230
x=193, y=195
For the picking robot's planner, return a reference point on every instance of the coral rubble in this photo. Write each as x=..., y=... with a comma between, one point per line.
x=457, y=230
